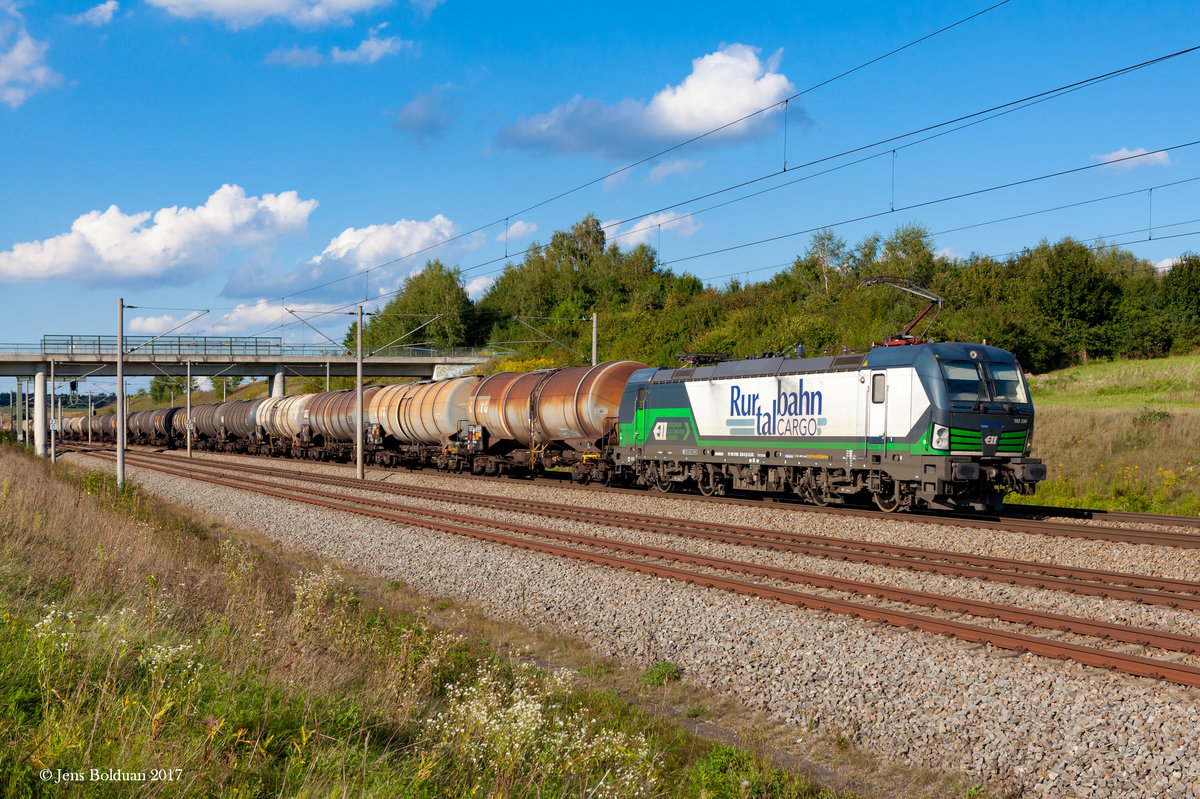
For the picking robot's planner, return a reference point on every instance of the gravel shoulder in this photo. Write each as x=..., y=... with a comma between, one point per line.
x=1021, y=724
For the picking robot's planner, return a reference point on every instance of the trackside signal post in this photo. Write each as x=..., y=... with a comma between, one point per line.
x=121, y=392
x=358, y=425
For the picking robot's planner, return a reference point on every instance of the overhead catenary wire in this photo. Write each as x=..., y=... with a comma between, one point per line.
x=970, y=120
x=974, y=118
x=894, y=210
x=504, y=219
x=927, y=203
x=977, y=117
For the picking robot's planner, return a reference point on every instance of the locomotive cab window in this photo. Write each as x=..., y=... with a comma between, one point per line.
x=878, y=388
x=1008, y=383
x=964, y=381
x=967, y=381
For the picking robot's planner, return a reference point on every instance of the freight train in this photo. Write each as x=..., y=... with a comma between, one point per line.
x=931, y=425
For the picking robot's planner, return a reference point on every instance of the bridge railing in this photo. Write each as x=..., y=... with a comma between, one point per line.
x=230, y=347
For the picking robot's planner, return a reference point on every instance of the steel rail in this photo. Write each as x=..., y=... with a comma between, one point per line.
x=1092, y=582
x=1097, y=514
x=1137, y=665
x=1004, y=523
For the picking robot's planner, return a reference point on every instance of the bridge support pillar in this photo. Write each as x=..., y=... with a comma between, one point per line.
x=39, y=410
x=277, y=385
x=19, y=410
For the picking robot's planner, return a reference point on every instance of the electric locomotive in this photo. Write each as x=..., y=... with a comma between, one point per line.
x=945, y=425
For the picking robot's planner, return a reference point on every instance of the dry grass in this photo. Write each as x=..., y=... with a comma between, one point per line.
x=1120, y=458
x=1158, y=382
x=136, y=636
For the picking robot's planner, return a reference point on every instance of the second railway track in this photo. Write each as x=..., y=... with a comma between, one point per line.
x=649, y=560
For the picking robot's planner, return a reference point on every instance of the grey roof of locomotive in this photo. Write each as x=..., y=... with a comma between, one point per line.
x=878, y=357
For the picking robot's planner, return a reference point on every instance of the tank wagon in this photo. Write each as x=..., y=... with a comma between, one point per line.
x=944, y=425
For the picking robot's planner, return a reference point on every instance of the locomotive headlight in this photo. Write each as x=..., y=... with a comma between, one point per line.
x=941, y=437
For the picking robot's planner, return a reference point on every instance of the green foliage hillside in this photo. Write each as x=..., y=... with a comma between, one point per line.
x=1052, y=304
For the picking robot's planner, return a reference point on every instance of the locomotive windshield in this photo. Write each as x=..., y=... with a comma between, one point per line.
x=970, y=381
x=1008, y=385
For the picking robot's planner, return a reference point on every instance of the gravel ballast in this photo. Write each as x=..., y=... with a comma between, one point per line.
x=1021, y=723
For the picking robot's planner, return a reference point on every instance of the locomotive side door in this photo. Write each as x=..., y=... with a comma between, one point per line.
x=639, y=419
x=876, y=417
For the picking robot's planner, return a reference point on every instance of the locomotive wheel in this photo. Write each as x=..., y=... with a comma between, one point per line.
x=814, y=493
x=887, y=503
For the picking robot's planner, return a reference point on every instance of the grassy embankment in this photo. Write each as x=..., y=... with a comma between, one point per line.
x=1120, y=435
x=134, y=637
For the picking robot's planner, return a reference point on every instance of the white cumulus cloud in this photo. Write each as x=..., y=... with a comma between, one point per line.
x=370, y=50
x=244, y=318
x=295, y=57
x=390, y=251
x=647, y=230
x=517, y=230
x=680, y=166
x=426, y=7
x=169, y=245
x=722, y=87
x=242, y=13
x=23, y=69
x=374, y=244
x=476, y=287
x=152, y=325
x=97, y=15
x=1125, y=159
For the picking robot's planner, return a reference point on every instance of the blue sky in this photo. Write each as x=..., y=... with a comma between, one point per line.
x=228, y=154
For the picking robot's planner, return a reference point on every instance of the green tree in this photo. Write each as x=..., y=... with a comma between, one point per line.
x=1075, y=296
x=223, y=384
x=163, y=388
x=432, y=300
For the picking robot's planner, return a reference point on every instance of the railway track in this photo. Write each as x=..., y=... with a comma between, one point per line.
x=657, y=561
x=1015, y=518
x=1110, y=516
x=1095, y=582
